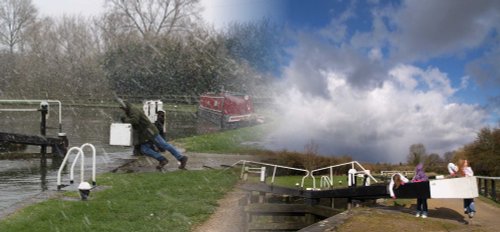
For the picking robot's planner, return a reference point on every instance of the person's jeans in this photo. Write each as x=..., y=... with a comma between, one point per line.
x=469, y=205
x=147, y=149
x=422, y=205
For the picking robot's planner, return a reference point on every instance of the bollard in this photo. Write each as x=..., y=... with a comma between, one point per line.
x=44, y=109
x=84, y=189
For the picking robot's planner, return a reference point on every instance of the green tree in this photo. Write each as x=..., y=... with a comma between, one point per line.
x=484, y=152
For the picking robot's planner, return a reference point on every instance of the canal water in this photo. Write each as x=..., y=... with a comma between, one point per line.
x=21, y=179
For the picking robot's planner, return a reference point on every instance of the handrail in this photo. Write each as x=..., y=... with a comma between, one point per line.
x=275, y=166
x=338, y=165
x=39, y=101
x=63, y=163
x=489, y=177
x=83, y=166
x=79, y=155
x=327, y=180
x=308, y=173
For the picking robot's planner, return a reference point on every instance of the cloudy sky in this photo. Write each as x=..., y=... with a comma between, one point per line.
x=370, y=78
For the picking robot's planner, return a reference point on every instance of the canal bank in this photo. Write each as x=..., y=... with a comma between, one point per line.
x=24, y=176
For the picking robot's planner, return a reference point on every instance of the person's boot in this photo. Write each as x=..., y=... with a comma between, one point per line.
x=183, y=161
x=162, y=164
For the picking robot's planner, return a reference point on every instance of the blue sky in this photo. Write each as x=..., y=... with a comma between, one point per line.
x=370, y=78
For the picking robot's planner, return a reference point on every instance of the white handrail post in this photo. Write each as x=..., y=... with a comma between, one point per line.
x=263, y=174
x=82, y=168
x=331, y=176
x=93, y=161
x=274, y=174
x=303, y=178
x=314, y=180
x=71, y=172
x=64, y=163
x=243, y=169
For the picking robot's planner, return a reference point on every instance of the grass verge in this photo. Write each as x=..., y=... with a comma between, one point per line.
x=174, y=201
x=230, y=141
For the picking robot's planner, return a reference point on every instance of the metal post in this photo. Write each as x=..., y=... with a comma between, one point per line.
x=485, y=187
x=493, y=190
x=43, y=123
x=479, y=186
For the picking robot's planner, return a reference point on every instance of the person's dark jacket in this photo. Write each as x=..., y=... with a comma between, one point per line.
x=141, y=125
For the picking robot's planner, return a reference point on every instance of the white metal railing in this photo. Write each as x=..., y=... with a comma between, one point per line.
x=35, y=101
x=352, y=163
x=82, y=164
x=325, y=182
x=274, y=166
x=390, y=173
x=80, y=155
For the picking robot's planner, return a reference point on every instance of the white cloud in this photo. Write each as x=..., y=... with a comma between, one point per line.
x=411, y=105
x=361, y=95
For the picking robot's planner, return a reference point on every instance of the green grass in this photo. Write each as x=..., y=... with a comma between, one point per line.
x=174, y=201
x=230, y=141
x=181, y=107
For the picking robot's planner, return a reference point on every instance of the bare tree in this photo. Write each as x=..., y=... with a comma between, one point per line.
x=152, y=18
x=417, y=154
x=15, y=16
x=61, y=57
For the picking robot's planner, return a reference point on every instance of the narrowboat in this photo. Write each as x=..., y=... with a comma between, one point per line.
x=226, y=109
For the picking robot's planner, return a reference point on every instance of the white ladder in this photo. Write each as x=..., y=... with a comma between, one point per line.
x=80, y=155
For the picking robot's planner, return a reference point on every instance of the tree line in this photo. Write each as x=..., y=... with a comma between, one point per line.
x=138, y=48
x=483, y=155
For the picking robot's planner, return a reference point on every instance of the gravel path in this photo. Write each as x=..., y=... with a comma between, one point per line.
x=228, y=217
x=197, y=161
x=486, y=218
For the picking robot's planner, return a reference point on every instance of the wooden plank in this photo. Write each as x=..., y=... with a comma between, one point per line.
x=31, y=139
x=278, y=190
x=26, y=139
x=57, y=144
x=362, y=192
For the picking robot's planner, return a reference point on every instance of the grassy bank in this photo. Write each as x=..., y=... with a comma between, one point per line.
x=242, y=140
x=174, y=201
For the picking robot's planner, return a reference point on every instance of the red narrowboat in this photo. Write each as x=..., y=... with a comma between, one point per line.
x=226, y=108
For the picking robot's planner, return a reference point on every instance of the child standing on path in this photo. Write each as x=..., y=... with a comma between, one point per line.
x=421, y=201
x=463, y=170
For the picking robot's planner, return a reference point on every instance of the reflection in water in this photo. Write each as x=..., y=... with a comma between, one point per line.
x=22, y=179
x=43, y=172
